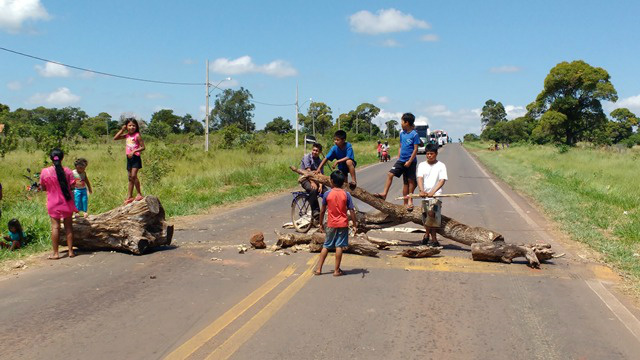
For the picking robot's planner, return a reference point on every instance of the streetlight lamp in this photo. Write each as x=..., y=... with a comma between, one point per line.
x=208, y=95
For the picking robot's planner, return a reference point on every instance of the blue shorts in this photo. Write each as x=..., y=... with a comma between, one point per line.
x=81, y=199
x=336, y=237
x=344, y=168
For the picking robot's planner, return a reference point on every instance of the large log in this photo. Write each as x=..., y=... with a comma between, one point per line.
x=388, y=215
x=136, y=227
x=503, y=252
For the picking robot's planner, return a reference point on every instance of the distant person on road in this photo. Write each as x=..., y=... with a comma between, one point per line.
x=311, y=162
x=379, y=150
x=406, y=163
x=335, y=204
x=342, y=152
x=130, y=131
x=57, y=182
x=432, y=174
x=82, y=185
x=16, y=238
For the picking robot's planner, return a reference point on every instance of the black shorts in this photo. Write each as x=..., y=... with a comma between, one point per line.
x=134, y=162
x=408, y=173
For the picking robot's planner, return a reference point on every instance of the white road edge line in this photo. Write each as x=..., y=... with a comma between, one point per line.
x=617, y=308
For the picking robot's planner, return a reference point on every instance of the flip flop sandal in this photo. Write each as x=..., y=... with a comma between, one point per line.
x=340, y=273
x=315, y=272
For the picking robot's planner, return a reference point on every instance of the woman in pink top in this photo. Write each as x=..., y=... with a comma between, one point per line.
x=134, y=145
x=57, y=181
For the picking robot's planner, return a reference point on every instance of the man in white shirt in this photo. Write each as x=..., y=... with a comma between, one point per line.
x=431, y=176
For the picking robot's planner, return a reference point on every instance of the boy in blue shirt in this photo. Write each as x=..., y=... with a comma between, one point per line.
x=342, y=152
x=406, y=163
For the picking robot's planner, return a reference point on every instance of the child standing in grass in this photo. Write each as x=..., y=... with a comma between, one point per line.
x=335, y=203
x=130, y=131
x=57, y=182
x=16, y=237
x=81, y=185
x=342, y=152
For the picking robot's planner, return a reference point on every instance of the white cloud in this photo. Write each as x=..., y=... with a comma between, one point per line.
x=505, y=69
x=383, y=99
x=245, y=64
x=152, y=96
x=14, y=85
x=62, y=96
x=455, y=122
x=87, y=75
x=53, y=70
x=384, y=21
x=384, y=116
x=430, y=38
x=13, y=13
x=390, y=43
x=188, y=61
x=515, y=111
x=632, y=103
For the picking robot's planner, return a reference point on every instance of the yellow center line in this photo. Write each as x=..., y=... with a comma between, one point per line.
x=190, y=346
x=233, y=343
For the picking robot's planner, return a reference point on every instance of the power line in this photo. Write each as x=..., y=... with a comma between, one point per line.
x=101, y=72
x=269, y=104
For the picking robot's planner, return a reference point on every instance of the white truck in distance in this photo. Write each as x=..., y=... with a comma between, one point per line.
x=422, y=128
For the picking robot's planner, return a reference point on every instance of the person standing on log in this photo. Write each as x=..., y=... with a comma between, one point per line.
x=335, y=204
x=311, y=162
x=57, y=181
x=406, y=163
x=432, y=174
x=342, y=152
x=130, y=131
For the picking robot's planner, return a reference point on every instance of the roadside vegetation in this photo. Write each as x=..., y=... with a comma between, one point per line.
x=590, y=191
x=241, y=163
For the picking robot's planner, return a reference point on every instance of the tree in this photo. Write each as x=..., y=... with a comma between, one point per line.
x=625, y=116
x=470, y=137
x=233, y=107
x=575, y=89
x=391, y=128
x=366, y=112
x=319, y=117
x=492, y=113
x=166, y=116
x=550, y=128
x=191, y=126
x=98, y=125
x=278, y=125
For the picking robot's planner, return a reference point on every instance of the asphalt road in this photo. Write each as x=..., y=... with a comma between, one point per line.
x=204, y=300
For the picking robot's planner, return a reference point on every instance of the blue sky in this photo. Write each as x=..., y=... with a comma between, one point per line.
x=439, y=60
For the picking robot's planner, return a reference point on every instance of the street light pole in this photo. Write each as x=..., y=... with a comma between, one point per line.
x=206, y=127
x=297, y=115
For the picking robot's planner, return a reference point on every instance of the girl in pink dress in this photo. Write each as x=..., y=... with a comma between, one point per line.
x=130, y=131
x=57, y=181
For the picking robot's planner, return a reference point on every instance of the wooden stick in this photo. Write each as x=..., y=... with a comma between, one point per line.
x=458, y=195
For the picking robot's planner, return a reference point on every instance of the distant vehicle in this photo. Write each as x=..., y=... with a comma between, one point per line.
x=422, y=128
x=441, y=137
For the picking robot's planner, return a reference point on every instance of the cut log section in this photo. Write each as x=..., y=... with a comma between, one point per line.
x=136, y=227
x=503, y=252
x=420, y=252
x=388, y=215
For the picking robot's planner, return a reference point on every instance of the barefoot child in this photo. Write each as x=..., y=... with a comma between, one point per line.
x=406, y=163
x=335, y=203
x=134, y=145
x=81, y=185
x=342, y=152
x=16, y=237
x=432, y=174
x=57, y=181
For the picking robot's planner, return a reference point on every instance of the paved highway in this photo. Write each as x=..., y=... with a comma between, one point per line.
x=204, y=300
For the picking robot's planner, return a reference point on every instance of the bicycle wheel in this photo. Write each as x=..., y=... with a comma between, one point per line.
x=301, y=214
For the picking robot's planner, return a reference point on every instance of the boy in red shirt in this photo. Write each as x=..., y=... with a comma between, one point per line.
x=335, y=203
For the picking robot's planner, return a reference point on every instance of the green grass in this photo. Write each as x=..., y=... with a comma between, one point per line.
x=195, y=180
x=592, y=193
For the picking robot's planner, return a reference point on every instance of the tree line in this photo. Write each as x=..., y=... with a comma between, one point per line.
x=232, y=116
x=567, y=110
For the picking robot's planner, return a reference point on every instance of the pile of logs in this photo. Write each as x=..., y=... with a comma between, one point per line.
x=486, y=245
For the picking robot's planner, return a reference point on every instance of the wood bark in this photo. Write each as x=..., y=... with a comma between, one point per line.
x=420, y=252
x=359, y=244
x=503, y=252
x=389, y=215
x=136, y=227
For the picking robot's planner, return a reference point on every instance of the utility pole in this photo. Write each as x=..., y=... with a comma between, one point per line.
x=206, y=126
x=297, y=115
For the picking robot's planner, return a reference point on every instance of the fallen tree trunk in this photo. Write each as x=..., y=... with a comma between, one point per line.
x=389, y=215
x=503, y=252
x=136, y=227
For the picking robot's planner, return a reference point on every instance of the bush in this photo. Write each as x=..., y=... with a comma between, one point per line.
x=157, y=164
x=158, y=130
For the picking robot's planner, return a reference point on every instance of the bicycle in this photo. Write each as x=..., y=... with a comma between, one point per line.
x=301, y=215
x=34, y=181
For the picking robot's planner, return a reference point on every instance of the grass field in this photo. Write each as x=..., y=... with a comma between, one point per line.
x=591, y=193
x=187, y=180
